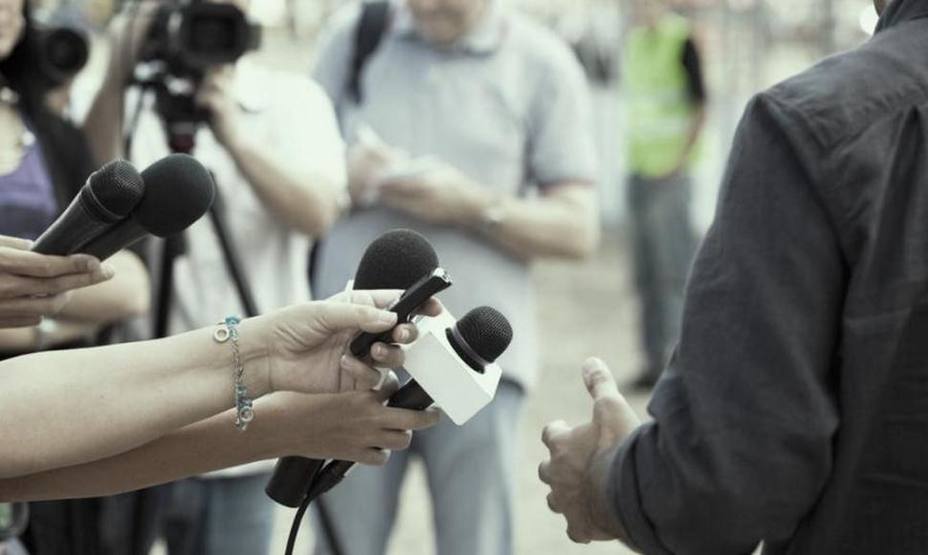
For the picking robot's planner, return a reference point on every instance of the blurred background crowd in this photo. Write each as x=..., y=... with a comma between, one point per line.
x=604, y=303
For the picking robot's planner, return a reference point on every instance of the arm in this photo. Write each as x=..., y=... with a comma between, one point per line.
x=563, y=221
x=88, y=404
x=299, y=176
x=349, y=426
x=105, y=120
x=696, y=89
x=744, y=419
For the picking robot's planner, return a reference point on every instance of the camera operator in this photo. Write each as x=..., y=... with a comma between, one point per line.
x=272, y=142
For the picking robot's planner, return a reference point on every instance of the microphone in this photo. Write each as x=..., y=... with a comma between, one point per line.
x=453, y=366
x=398, y=259
x=107, y=198
x=178, y=191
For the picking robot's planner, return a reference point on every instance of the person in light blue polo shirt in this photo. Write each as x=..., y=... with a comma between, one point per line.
x=473, y=126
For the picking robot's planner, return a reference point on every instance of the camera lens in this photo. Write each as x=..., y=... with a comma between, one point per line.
x=65, y=53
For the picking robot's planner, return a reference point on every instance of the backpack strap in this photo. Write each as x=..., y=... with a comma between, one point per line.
x=375, y=16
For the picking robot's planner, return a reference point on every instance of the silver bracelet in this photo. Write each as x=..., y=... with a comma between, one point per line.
x=244, y=413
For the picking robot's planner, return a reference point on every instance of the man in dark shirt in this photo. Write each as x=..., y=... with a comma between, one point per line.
x=665, y=98
x=795, y=411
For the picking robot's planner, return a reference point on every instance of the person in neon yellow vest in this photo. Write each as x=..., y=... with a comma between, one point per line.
x=665, y=99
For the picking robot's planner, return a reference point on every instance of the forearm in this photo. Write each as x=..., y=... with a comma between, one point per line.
x=25, y=340
x=104, y=124
x=202, y=447
x=77, y=406
x=302, y=200
x=125, y=296
x=565, y=226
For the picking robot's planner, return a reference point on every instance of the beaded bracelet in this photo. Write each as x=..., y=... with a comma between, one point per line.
x=244, y=413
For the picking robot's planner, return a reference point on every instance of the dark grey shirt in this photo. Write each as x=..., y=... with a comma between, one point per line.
x=795, y=411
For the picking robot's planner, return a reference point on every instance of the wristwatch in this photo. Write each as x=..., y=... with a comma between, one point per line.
x=492, y=217
x=43, y=332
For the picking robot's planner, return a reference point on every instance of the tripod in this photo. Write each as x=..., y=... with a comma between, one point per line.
x=181, y=139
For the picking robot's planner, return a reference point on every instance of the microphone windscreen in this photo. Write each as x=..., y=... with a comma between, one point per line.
x=486, y=331
x=118, y=187
x=178, y=191
x=395, y=260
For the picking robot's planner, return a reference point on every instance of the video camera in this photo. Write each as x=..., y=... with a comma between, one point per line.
x=63, y=52
x=184, y=41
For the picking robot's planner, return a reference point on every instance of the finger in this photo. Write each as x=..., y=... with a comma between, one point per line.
x=364, y=376
x=401, y=187
x=552, y=431
x=431, y=307
x=20, y=322
x=599, y=380
x=405, y=334
x=395, y=440
x=553, y=504
x=577, y=533
x=374, y=457
x=18, y=286
x=28, y=263
x=379, y=298
x=389, y=385
x=15, y=243
x=544, y=472
x=404, y=419
x=33, y=306
x=338, y=317
x=387, y=356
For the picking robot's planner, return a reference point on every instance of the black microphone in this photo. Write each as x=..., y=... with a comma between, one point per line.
x=108, y=197
x=479, y=338
x=178, y=191
x=399, y=259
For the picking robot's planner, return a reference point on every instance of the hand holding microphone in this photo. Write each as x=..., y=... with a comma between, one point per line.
x=397, y=260
x=34, y=285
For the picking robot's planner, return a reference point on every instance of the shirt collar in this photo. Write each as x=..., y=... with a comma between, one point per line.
x=485, y=38
x=900, y=11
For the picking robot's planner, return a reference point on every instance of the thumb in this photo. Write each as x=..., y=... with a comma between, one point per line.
x=598, y=379
x=612, y=415
x=336, y=317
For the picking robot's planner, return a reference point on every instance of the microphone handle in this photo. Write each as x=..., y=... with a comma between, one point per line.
x=411, y=396
x=78, y=225
x=291, y=479
x=118, y=237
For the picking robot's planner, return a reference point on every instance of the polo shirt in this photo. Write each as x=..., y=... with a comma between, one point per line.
x=508, y=105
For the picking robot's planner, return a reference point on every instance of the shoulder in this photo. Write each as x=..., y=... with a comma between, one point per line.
x=288, y=90
x=340, y=27
x=845, y=94
x=542, y=53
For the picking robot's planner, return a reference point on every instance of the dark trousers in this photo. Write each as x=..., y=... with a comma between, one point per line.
x=663, y=245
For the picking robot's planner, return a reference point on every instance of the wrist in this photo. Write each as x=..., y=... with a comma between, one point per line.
x=602, y=511
x=255, y=353
x=478, y=204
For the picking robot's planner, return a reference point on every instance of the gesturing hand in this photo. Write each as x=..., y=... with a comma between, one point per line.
x=575, y=471
x=34, y=285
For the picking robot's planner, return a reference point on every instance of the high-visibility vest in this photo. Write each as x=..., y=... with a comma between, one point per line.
x=660, y=109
